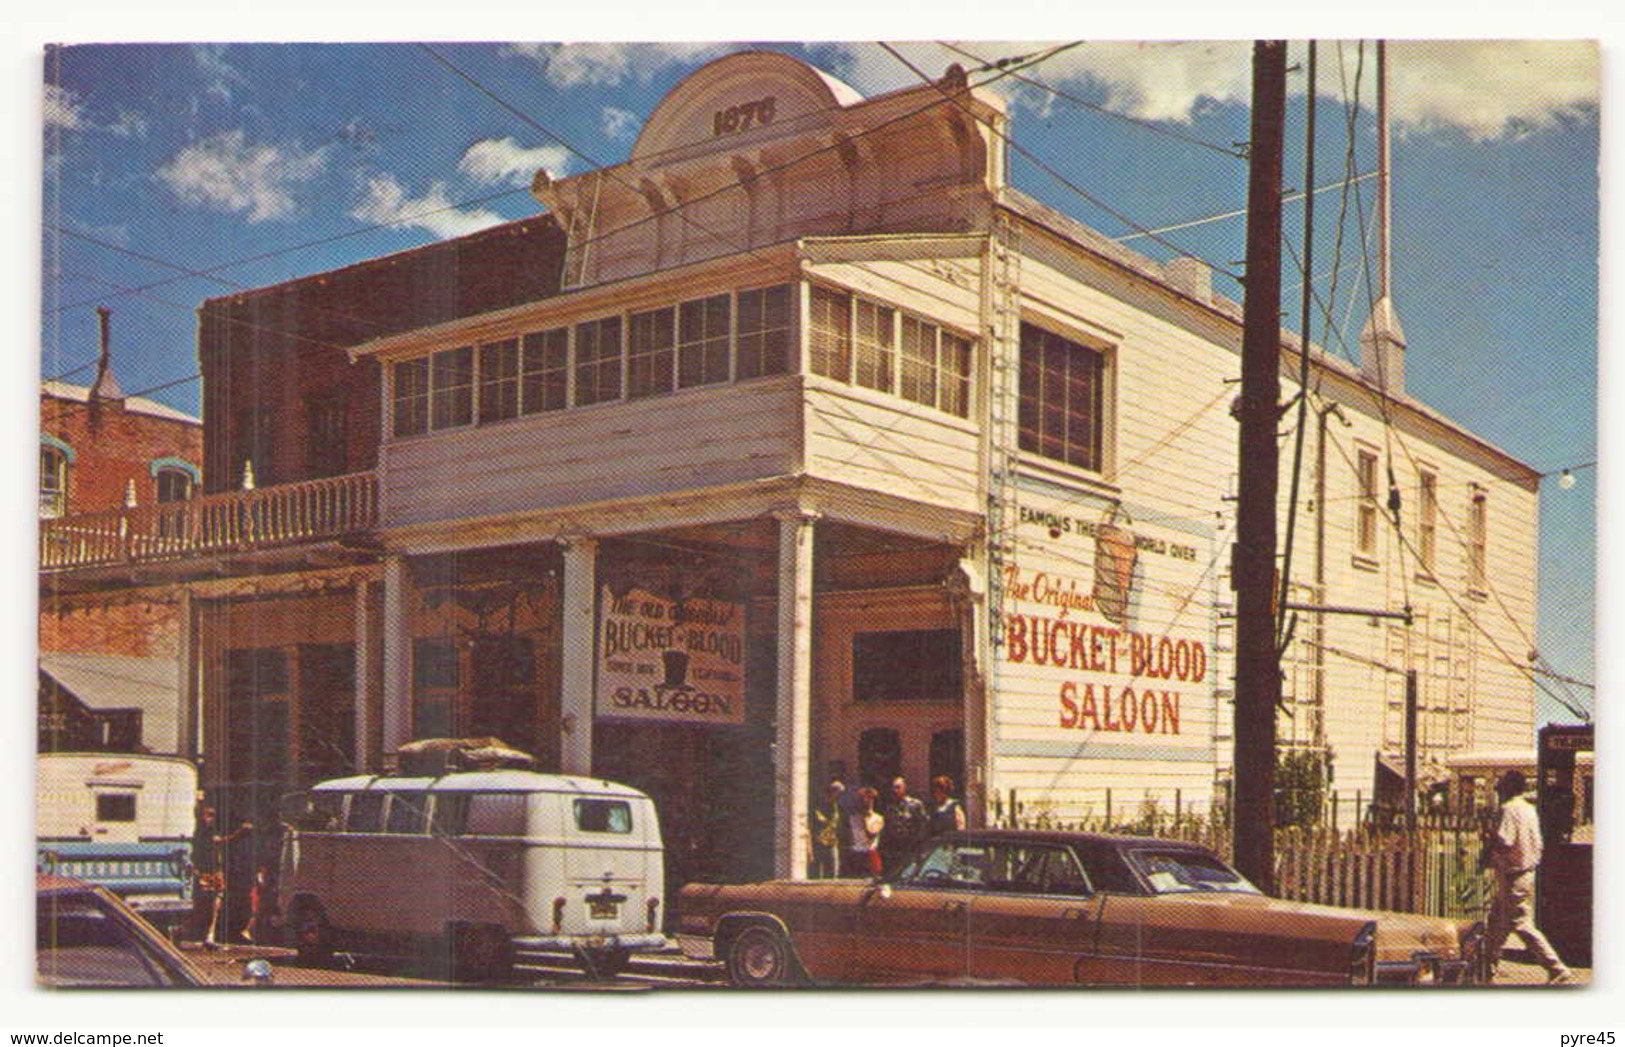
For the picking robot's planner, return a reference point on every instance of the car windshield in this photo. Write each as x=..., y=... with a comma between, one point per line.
x=79, y=942
x=1184, y=872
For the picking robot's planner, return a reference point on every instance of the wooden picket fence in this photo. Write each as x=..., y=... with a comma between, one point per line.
x=1432, y=869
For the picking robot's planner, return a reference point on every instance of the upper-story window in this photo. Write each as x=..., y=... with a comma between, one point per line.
x=1478, y=531
x=1063, y=399
x=1427, y=519
x=435, y=392
x=1365, y=510
x=703, y=329
x=53, y=478
x=174, y=484
x=764, y=332
x=703, y=341
x=854, y=340
x=598, y=361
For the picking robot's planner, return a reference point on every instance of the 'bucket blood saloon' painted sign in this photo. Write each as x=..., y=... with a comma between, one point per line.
x=663, y=659
x=1103, y=628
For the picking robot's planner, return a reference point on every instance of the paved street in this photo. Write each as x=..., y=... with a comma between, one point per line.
x=665, y=970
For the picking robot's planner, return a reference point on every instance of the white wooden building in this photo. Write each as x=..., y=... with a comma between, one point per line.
x=836, y=454
x=969, y=464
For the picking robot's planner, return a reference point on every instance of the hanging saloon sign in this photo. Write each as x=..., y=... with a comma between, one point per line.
x=676, y=661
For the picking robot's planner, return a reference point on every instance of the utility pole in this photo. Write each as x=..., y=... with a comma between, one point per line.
x=1258, y=673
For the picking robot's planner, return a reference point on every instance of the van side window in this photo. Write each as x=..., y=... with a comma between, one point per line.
x=450, y=814
x=115, y=807
x=496, y=814
x=604, y=816
x=366, y=813
x=407, y=812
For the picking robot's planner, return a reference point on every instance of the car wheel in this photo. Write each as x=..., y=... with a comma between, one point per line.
x=309, y=932
x=760, y=958
x=479, y=954
x=604, y=964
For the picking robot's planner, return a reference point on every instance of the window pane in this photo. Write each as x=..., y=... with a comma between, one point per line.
x=174, y=485
x=919, y=377
x=545, y=371
x=603, y=816
x=650, y=351
x=499, y=381
x=1062, y=411
x=874, y=351
x=703, y=330
x=407, y=812
x=953, y=387
x=411, y=397
x=115, y=807
x=764, y=331
x=452, y=388
x=496, y=814
x=598, y=361
x=829, y=341
x=366, y=813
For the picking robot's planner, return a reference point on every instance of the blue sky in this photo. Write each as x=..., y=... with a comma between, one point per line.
x=173, y=173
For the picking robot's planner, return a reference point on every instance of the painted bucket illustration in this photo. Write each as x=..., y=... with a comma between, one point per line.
x=1114, y=571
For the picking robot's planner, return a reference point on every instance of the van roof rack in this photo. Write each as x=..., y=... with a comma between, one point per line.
x=436, y=756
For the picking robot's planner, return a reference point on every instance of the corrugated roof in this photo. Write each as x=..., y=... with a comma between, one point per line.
x=138, y=404
x=114, y=681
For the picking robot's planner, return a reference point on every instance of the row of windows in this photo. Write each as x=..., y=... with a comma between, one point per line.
x=1367, y=519
x=854, y=340
x=174, y=483
x=747, y=334
x=448, y=813
x=705, y=341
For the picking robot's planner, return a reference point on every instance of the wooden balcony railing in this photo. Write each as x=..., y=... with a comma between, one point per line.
x=287, y=514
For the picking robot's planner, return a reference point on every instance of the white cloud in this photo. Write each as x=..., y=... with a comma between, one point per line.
x=502, y=160
x=386, y=203
x=129, y=124
x=220, y=77
x=1481, y=88
x=1491, y=88
x=620, y=124
x=227, y=173
x=573, y=65
x=62, y=109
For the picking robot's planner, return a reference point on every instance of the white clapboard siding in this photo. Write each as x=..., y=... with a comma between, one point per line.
x=884, y=443
x=684, y=441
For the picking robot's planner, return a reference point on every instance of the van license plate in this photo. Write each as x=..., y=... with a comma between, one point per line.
x=605, y=905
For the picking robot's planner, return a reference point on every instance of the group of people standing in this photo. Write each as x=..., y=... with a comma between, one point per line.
x=856, y=834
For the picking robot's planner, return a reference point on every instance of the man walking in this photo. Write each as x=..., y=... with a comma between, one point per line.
x=1513, y=851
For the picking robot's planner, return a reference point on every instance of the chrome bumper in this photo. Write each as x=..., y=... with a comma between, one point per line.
x=572, y=942
x=696, y=946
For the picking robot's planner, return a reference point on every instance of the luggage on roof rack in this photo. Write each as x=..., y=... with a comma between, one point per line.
x=435, y=756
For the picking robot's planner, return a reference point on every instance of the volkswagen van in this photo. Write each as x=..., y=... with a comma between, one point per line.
x=474, y=866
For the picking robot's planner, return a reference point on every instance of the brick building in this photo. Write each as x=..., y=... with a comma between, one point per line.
x=107, y=670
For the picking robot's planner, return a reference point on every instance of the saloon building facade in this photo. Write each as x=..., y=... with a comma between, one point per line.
x=800, y=443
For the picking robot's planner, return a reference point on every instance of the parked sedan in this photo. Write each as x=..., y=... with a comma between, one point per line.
x=1049, y=908
x=87, y=938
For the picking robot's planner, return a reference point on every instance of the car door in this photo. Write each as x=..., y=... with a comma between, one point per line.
x=1037, y=919
x=915, y=927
